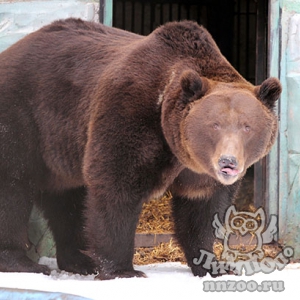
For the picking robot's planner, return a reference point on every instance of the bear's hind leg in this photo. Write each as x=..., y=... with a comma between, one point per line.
x=65, y=214
x=16, y=198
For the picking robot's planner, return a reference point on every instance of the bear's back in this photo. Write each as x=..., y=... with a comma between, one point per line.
x=56, y=44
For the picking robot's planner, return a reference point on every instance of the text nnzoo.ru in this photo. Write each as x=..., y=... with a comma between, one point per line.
x=241, y=286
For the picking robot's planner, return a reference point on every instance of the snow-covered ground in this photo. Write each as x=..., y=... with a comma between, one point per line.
x=165, y=281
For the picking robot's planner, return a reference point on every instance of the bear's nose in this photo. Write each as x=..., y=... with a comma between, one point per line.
x=228, y=161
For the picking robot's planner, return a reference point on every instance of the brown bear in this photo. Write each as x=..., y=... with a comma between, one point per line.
x=94, y=121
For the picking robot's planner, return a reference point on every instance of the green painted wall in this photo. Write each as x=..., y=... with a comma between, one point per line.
x=284, y=160
x=18, y=18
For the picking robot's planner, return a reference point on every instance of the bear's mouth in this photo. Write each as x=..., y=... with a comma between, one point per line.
x=228, y=171
x=228, y=175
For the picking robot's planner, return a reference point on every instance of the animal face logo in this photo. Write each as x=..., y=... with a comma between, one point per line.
x=243, y=225
x=244, y=234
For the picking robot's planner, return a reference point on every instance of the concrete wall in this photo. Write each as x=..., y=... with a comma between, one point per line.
x=18, y=18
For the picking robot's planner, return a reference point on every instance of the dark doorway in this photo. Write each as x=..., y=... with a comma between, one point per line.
x=232, y=23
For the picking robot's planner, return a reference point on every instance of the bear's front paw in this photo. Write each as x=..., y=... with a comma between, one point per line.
x=199, y=271
x=119, y=274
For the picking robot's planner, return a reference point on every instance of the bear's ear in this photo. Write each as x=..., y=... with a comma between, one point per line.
x=193, y=86
x=269, y=91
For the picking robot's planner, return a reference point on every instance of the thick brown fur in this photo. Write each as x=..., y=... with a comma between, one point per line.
x=95, y=120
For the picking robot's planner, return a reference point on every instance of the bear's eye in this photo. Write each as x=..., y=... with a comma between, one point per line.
x=247, y=128
x=216, y=126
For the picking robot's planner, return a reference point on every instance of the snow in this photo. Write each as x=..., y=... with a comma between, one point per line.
x=164, y=281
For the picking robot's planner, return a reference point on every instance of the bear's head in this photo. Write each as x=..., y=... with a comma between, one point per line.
x=218, y=128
